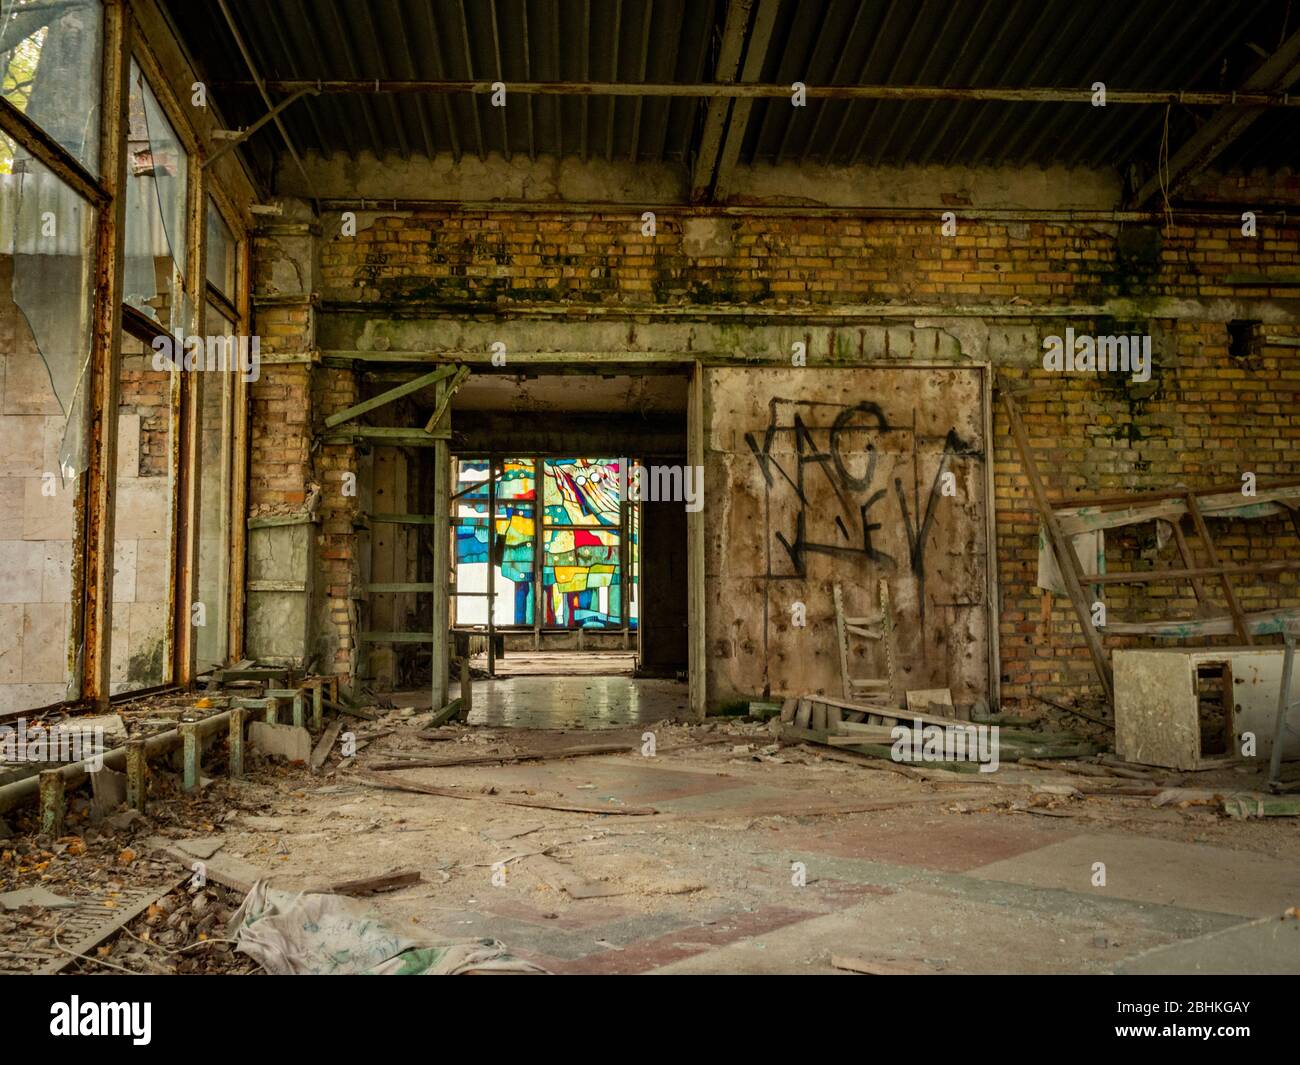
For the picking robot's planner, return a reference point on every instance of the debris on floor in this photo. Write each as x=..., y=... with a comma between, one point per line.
x=296, y=934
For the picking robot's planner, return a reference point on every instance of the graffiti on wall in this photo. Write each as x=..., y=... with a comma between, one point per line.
x=854, y=485
x=843, y=499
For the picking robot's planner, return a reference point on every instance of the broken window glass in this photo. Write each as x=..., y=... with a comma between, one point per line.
x=157, y=169
x=50, y=58
x=221, y=254
x=46, y=233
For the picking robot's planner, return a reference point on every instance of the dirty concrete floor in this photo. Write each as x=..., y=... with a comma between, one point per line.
x=977, y=873
x=718, y=851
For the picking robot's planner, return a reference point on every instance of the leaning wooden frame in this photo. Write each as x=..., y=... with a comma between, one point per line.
x=1064, y=521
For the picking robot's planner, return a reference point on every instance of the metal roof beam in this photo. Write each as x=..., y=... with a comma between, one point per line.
x=1276, y=74
x=707, y=152
x=261, y=88
x=755, y=53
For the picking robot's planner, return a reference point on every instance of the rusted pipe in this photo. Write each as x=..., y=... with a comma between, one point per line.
x=755, y=91
x=73, y=774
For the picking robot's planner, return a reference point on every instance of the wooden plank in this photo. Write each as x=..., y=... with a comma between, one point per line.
x=401, y=784
x=325, y=744
x=401, y=586
x=510, y=759
x=842, y=638
x=1189, y=562
x=1192, y=573
x=924, y=698
x=875, y=968
x=440, y=411
x=373, y=885
x=1086, y=514
x=391, y=396
x=1203, y=531
x=446, y=713
x=1063, y=546
x=440, y=609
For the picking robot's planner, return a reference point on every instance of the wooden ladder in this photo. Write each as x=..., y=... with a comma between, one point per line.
x=876, y=627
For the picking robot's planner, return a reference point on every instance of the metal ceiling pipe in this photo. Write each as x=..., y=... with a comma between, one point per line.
x=746, y=90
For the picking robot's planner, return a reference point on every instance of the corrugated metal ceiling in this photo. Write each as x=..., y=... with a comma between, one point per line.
x=1129, y=44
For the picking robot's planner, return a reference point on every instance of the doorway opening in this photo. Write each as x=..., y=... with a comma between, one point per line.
x=546, y=568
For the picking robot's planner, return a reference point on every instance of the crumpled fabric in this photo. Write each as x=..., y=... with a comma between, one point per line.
x=311, y=934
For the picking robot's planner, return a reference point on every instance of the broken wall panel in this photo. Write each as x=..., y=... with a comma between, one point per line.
x=826, y=476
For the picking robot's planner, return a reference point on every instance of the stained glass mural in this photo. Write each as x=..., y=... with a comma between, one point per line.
x=582, y=563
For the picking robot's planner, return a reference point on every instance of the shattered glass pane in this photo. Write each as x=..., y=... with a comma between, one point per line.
x=50, y=58
x=46, y=238
x=221, y=254
x=156, y=172
x=46, y=234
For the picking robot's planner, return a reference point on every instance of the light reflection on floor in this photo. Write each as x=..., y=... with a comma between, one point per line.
x=575, y=702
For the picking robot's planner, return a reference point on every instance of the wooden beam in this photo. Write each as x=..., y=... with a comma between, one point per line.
x=440, y=411
x=1262, y=622
x=1203, y=531
x=440, y=607
x=51, y=154
x=384, y=398
x=1277, y=73
x=1192, y=573
x=1067, y=560
x=709, y=150
x=755, y=54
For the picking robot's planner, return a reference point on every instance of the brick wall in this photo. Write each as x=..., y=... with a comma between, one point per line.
x=1204, y=418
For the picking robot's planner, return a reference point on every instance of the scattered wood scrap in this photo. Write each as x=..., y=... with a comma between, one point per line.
x=373, y=885
x=875, y=968
x=326, y=744
x=1245, y=806
x=868, y=729
x=491, y=795
x=450, y=712
x=507, y=759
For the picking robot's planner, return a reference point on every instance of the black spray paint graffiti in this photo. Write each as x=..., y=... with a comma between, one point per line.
x=830, y=464
x=853, y=491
